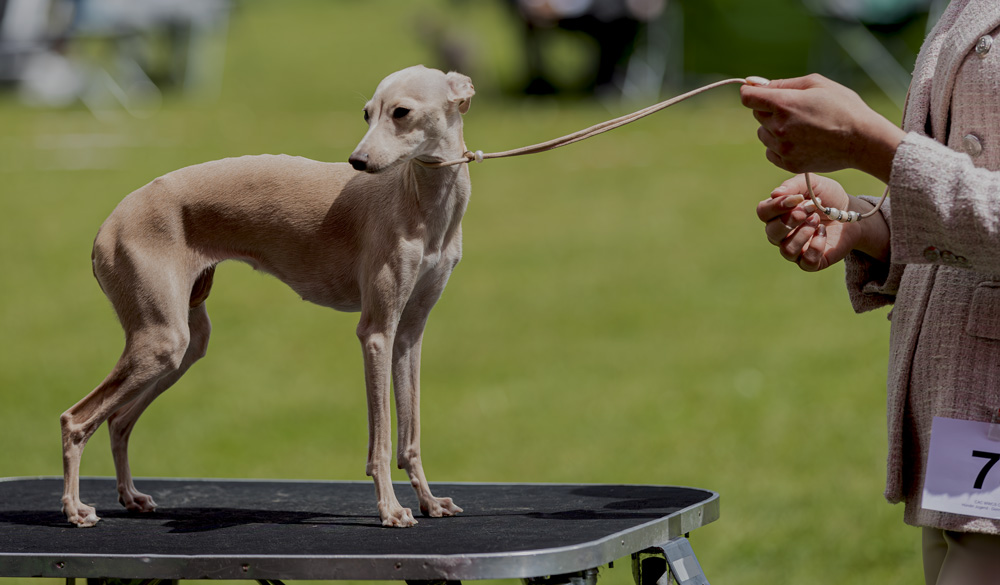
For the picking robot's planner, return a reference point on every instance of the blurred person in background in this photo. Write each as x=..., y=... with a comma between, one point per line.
x=932, y=251
x=613, y=24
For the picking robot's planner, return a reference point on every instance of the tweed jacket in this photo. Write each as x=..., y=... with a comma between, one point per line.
x=943, y=276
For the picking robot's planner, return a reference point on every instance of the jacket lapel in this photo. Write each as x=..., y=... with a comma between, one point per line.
x=979, y=17
x=918, y=99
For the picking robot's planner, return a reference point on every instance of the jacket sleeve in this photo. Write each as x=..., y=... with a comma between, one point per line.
x=945, y=210
x=872, y=283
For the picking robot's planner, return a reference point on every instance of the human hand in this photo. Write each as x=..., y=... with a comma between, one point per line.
x=814, y=124
x=805, y=236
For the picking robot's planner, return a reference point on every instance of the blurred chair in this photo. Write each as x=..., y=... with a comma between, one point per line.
x=189, y=27
x=25, y=31
x=635, y=48
x=853, y=25
x=32, y=42
x=41, y=40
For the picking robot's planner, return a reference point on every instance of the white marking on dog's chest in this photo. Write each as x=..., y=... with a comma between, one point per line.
x=430, y=261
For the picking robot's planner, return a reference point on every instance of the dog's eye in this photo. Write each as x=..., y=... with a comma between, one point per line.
x=399, y=113
x=366, y=115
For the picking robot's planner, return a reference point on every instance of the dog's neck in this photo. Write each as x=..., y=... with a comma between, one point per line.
x=445, y=148
x=442, y=195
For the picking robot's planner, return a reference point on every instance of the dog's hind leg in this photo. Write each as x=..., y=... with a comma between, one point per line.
x=149, y=355
x=121, y=423
x=154, y=308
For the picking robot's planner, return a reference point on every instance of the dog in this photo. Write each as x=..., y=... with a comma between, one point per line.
x=380, y=235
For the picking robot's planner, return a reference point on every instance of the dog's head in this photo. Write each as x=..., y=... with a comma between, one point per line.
x=415, y=113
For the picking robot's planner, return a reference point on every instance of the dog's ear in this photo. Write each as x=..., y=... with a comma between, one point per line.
x=460, y=91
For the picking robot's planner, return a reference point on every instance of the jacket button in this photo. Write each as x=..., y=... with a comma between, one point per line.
x=931, y=254
x=984, y=45
x=972, y=145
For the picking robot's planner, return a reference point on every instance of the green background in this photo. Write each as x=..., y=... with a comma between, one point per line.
x=618, y=316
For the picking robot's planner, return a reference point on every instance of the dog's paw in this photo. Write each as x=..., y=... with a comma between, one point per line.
x=399, y=517
x=135, y=501
x=82, y=517
x=438, y=507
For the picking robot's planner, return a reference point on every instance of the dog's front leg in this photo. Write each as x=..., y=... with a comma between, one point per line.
x=376, y=342
x=406, y=383
x=406, y=386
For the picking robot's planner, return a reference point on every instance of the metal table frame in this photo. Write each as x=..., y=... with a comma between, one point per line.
x=658, y=549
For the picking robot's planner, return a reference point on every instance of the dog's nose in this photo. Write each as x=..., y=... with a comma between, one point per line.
x=359, y=161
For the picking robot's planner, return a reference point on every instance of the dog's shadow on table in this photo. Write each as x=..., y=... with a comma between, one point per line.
x=194, y=520
x=596, y=502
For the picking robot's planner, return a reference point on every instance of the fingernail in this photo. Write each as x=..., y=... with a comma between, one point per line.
x=821, y=230
x=809, y=206
x=779, y=190
x=813, y=220
x=758, y=81
x=792, y=201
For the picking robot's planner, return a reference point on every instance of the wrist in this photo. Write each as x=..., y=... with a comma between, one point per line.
x=872, y=232
x=878, y=140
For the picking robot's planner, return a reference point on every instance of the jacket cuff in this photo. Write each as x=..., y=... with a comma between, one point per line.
x=871, y=283
x=914, y=180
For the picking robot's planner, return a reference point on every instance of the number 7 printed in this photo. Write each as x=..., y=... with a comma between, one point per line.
x=992, y=459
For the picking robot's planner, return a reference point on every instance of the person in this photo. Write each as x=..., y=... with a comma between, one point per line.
x=932, y=251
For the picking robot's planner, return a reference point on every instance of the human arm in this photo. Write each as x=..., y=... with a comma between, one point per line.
x=947, y=210
x=814, y=124
x=810, y=239
x=813, y=242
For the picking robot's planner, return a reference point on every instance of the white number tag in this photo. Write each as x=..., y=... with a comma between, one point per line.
x=962, y=472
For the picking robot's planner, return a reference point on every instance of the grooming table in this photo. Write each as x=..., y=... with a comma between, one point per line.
x=271, y=530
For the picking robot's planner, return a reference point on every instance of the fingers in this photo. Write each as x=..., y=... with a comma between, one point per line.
x=763, y=97
x=766, y=137
x=784, y=214
x=759, y=99
x=804, y=82
x=769, y=133
x=781, y=227
x=777, y=160
x=786, y=199
x=777, y=206
x=795, y=184
x=776, y=231
x=811, y=258
x=800, y=241
x=793, y=225
x=768, y=98
x=802, y=122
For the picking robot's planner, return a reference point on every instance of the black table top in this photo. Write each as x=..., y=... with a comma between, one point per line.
x=244, y=529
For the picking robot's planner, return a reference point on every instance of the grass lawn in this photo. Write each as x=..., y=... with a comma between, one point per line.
x=618, y=316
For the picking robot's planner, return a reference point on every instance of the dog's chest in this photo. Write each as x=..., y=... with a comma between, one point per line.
x=434, y=262
x=441, y=248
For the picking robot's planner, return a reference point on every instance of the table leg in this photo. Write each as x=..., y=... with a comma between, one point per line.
x=675, y=558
